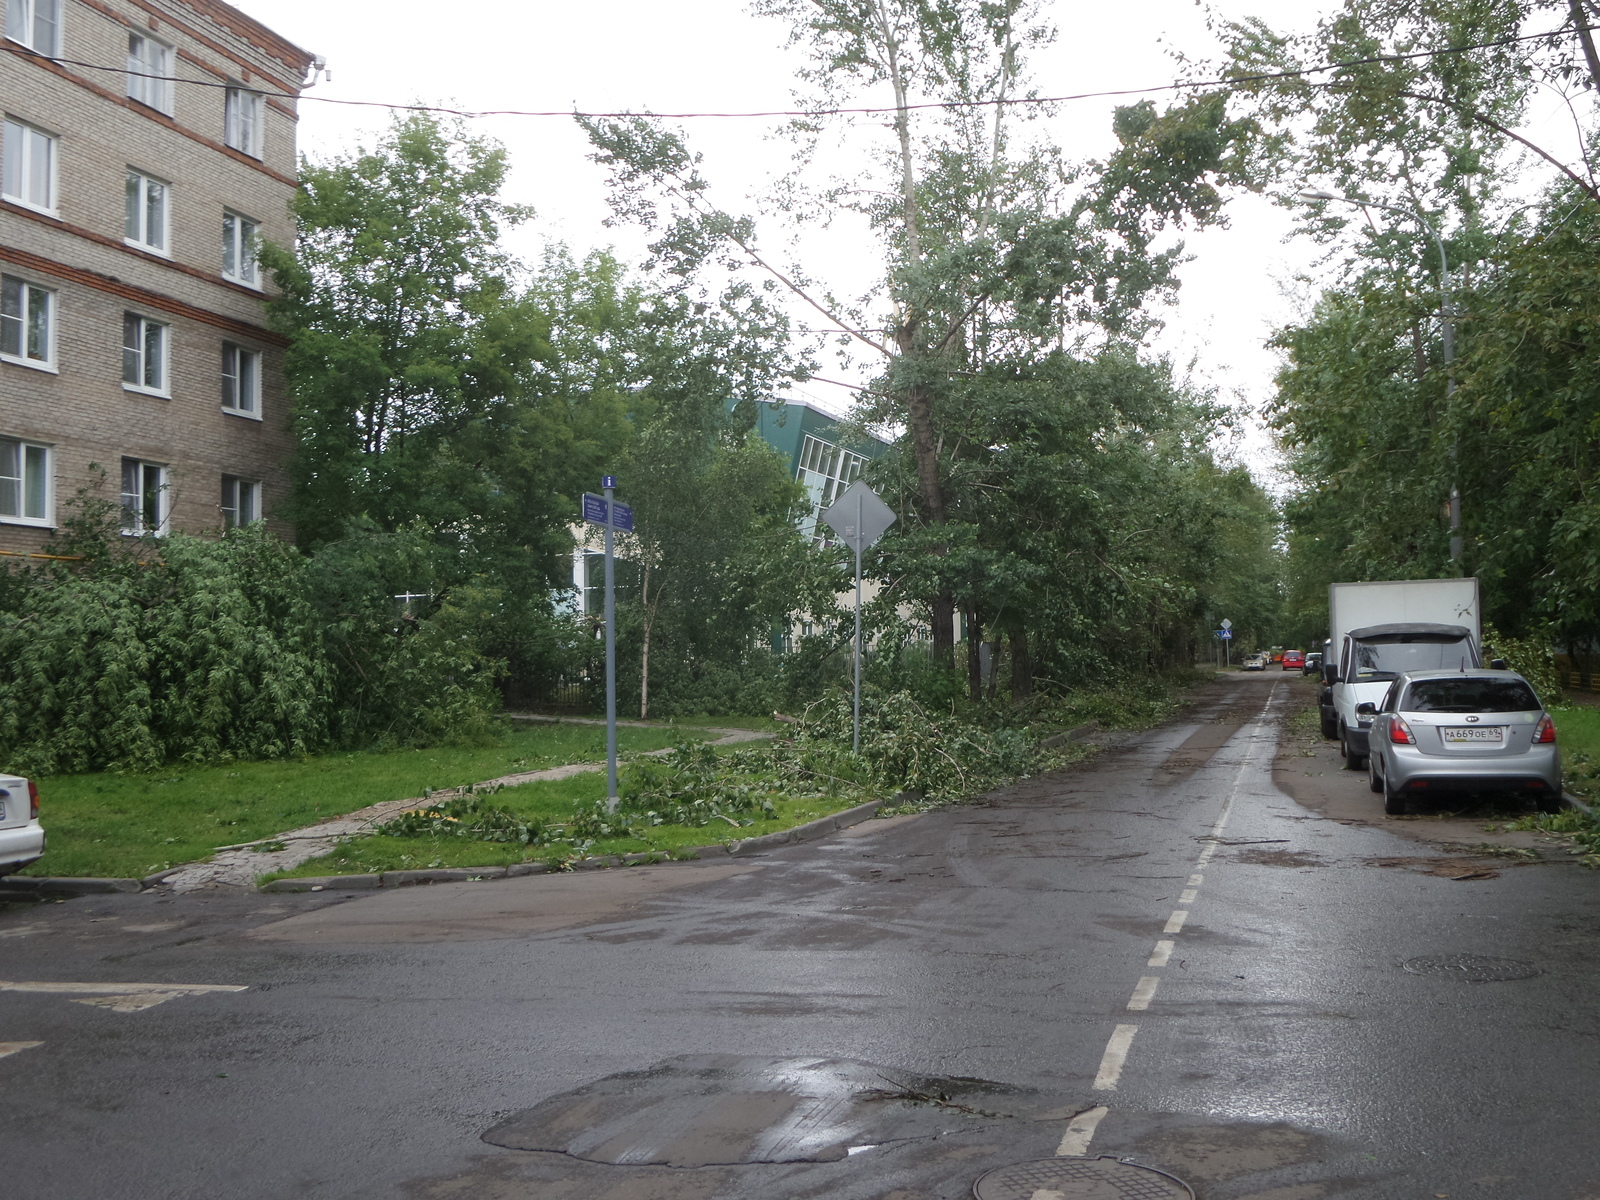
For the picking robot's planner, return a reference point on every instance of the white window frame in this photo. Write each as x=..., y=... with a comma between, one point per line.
x=27, y=290
x=22, y=25
x=141, y=235
x=240, y=234
x=241, y=389
x=141, y=363
x=824, y=470
x=149, y=75
x=135, y=520
x=47, y=485
x=19, y=151
x=243, y=493
x=244, y=120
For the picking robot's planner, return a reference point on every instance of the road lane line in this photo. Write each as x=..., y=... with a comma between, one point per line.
x=15, y=1047
x=1143, y=993
x=1188, y=896
x=1162, y=952
x=1196, y=880
x=1111, y=1062
x=1075, y=1142
x=119, y=997
x=1175, y=922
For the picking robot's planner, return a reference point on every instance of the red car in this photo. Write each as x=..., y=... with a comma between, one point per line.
x=1294, y=660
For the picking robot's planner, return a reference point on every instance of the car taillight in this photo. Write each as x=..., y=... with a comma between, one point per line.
x=33, y=799
x=1544, y=733
x=1400, y=733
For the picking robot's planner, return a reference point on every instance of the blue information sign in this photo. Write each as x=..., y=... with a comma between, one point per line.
x=1227, y=635
x=594, y=508
x=621, y=516
x=608, y=481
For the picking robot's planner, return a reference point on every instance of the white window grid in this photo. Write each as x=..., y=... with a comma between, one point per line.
x=241, y=380
x=145, y=350
x=36, y=24
x=144, y=497
x=148, y=210
x=825, y=470
x=27, y=483
x=241, y=502
x=242, y=121
x=27, y=323
x=28, y=166
x=149, y=72
x=239, y=249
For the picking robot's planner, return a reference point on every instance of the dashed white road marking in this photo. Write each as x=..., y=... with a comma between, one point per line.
x=1144, y=993
x=1175, y=922
x=1075, y=1142
x=7, y=1048
x=1161, y=954
x=17, y=931
x=1196, y=880
x=1111, y=1062
x=120, y=997
x=1188, y=895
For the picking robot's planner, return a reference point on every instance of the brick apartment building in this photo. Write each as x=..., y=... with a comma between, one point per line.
x=132, y=319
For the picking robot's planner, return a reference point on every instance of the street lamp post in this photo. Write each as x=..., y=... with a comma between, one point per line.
x=1447, y=332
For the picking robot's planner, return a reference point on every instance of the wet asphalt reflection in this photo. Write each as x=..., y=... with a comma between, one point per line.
x=1156, y=955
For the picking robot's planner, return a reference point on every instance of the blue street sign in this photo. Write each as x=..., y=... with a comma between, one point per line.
x=1227, y=635
x=594, y=508
x=608, y=481
x=621, y=516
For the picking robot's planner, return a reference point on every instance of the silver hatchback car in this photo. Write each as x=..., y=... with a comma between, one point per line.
x=1450, y=732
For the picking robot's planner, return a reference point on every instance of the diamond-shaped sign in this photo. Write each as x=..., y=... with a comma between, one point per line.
x=858, y=516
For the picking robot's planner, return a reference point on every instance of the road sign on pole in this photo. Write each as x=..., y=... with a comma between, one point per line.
x=860, y=518
x=612, y=515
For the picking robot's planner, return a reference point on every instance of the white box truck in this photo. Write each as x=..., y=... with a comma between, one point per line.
x=1381, y=629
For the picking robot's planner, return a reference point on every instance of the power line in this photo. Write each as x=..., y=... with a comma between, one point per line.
x=946, y=105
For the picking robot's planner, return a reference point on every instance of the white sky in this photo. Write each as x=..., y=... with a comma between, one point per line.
x=709, y=55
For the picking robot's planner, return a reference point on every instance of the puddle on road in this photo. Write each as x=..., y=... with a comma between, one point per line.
x=727, y=1109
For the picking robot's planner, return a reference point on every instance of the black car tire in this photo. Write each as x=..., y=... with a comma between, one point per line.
x=1548, y=802
x=1330, y=728
x=1352, y=762
x=1396, y=804
x=1374, y=782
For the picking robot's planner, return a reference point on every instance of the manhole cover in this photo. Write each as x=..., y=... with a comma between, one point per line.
x=1080, y=1179
x=1471, y=968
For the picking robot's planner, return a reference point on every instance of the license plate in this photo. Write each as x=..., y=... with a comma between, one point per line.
x=1465, y=734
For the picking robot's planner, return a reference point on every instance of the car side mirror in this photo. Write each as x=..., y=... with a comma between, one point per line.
x=1330, y=674
x=1366, y=708
x=1497, y=664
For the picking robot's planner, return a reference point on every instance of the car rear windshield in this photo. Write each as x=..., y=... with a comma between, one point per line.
x=1384, y=660
x=1470, y=695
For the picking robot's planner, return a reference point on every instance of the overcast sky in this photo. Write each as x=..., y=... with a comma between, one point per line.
x=710, y=55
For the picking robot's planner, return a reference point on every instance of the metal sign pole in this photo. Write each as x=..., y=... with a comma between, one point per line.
x=609, y=483
x=856, y=745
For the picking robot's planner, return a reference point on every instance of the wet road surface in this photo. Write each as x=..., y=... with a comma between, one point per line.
x=1159, y=955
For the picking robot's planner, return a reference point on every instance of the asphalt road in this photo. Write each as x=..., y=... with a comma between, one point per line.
x=1023, y=959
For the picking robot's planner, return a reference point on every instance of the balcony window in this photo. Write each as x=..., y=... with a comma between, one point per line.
x=24, y=482
x=27, y=323
x=28, y=166
x=147, y=210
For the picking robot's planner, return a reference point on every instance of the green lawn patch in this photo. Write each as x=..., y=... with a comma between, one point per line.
x=554, y=801
x=1578, y=734
x=131, y=825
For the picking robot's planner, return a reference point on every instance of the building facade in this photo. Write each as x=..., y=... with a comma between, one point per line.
x=148, y=146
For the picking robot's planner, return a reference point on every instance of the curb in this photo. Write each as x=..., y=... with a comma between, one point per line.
x=51, y=885
x=1572, y=801
x=800, y=833
x=1057, y=740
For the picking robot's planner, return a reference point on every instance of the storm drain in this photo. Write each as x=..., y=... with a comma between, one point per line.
x=1472, y=968
x=1080, y=1179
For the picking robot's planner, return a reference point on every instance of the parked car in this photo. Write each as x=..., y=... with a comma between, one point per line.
x=1256, y=662
x=1445, y=733
x=21, y=835
x=1294, y=660
x=1313, y=665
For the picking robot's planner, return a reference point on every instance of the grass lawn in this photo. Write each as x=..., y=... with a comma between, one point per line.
x=131, y=825
x=551, y=801
x=1578, y=731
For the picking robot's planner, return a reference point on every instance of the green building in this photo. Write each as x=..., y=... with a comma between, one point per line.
x=818, y=453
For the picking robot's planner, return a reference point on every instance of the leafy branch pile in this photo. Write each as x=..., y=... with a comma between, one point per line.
x=695, y=786
x=1581, y=829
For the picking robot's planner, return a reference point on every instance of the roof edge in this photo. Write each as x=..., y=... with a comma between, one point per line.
x=253, y=31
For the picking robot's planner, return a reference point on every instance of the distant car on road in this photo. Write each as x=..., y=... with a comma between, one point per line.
x=1294, y=660
x=1256, y=662
x=1313, y=663
x=21, y=835
x=1444, y=733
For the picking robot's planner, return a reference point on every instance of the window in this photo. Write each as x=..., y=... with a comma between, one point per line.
x=146, y=224
x=144, y=354
x=28, y=174
x=24, y=482
x=241, y=380
x=239, y=249
x=241, y=502
x=144, y=497
x=149, y=72
x=36, y=24
x=242, y=126
x=26, y=323
x=825, y=471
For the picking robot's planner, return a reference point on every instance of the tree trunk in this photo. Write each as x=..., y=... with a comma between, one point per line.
x=1021, y=666
x=1580, y=19
x=974, y=656
x=995, y=647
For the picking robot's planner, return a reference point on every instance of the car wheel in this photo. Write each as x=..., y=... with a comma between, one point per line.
x=1330, y=729
x=1548, y=802
x=1352, y=762
x=1374, y=783
x=1396, y=804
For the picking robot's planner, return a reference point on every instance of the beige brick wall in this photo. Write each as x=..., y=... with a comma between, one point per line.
x=82, y=409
